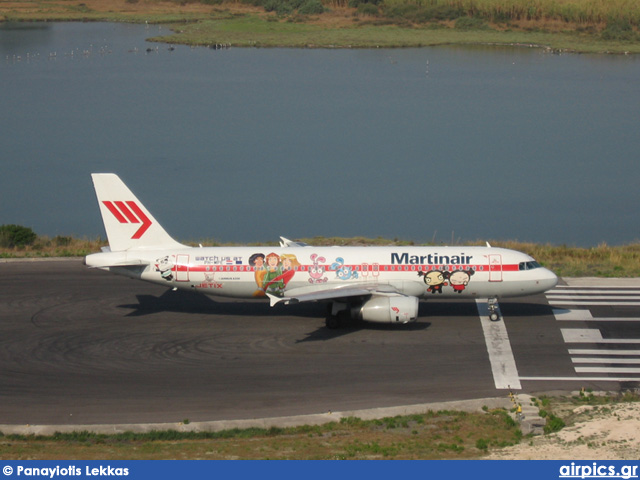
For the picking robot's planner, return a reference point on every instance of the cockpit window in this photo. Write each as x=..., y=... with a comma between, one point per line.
x=528, y=265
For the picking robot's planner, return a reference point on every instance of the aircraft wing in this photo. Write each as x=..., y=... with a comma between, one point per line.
x=325, y=292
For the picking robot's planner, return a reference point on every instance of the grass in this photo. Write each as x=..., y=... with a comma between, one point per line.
x=566, y=261
x=575, y=25
x=254, y=31
x=432, y=435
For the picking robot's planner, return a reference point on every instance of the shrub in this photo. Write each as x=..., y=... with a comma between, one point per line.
x=482, y=444
x=619, y=30
x=311, y=7
x=554, y=424
x=423, y=14
x=16, y=236
x=367, y=9
x=470, y=23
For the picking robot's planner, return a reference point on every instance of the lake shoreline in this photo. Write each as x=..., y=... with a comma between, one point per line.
x=242, y=25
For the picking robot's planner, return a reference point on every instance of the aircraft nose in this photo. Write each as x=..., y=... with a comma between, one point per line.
x=547, y=279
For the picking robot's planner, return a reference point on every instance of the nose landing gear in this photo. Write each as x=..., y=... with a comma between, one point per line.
x=494, y=310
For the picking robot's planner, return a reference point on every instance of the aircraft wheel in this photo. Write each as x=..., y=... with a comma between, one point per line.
x=332, y=322
x=494, y=317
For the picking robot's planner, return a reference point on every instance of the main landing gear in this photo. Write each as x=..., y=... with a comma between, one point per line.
x=338, y=315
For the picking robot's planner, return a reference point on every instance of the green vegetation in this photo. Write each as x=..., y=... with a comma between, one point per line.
x=561, y=411
x=443, y=434
x=16, y=236
x=573, y=25
x=43, y=246
x=432, y=435
x=566, y=261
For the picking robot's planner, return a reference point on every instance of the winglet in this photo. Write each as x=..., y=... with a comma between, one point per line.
x=285, y=242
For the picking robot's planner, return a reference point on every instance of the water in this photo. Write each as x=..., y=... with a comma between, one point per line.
x=248, y=144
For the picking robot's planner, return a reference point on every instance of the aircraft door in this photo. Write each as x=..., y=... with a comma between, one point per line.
x=370, y=271
x=495, y=268
x=182, y=268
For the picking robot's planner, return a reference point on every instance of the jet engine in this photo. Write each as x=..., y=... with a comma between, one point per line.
x=388, y=309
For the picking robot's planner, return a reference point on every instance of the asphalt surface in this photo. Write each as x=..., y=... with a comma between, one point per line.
x=82, y=347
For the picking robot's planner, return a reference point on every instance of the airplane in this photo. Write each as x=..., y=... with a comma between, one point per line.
x=374, y=284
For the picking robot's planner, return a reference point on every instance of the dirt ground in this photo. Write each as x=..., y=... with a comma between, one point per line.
x=610, y=432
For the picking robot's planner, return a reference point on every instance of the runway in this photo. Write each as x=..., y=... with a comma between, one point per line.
x=81, y=347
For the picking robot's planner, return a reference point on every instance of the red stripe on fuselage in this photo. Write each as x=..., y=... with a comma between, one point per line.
x=358, y=269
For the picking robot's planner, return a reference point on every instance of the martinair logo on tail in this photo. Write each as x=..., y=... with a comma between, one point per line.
x=129, y=212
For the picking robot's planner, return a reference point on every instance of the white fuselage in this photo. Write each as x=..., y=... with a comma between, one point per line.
x=250, y=272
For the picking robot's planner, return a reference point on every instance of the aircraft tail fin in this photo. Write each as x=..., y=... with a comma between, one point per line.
x=128, y=224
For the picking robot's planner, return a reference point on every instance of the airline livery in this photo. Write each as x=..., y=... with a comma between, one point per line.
x=375, y=284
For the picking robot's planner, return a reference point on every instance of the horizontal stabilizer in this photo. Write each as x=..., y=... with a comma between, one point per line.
x=113, y=259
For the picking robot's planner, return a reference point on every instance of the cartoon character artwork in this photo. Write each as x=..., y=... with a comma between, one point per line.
x=257, y=261
x=343, y=272
x=459, y=279
x=290, y=265
x=165, y=265
x=273, y=272
x=316, y=271
x=273, y=282
x=435, y=279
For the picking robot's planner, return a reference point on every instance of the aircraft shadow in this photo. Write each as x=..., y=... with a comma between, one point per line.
x=324, y=334
x=185, y=302
x=194, y=303
x=521, y=309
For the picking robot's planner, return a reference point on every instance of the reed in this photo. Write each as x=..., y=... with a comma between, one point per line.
x=570, y=11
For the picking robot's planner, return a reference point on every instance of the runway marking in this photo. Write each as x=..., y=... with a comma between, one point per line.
x=612, y=361
x=581, y=379
x=592, y=335
x=600, y=291
x=606, y=370
x=587, y=351
x=572, y=295
x=591, y=302
x=585, y=316
x=590, y=360
x=593, y=297
x=503, y=364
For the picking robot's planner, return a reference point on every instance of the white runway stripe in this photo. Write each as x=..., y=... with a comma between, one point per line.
x=594, y=297
x=581, y=379
x=588, y=351
x=590, y=302
x=503, y=364
x=585, y=316
x=567, y=289
x=592, y=335
x=612, y=361
x=606, y=370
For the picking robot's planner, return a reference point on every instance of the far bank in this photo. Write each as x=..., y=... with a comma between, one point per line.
x=577, y=26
